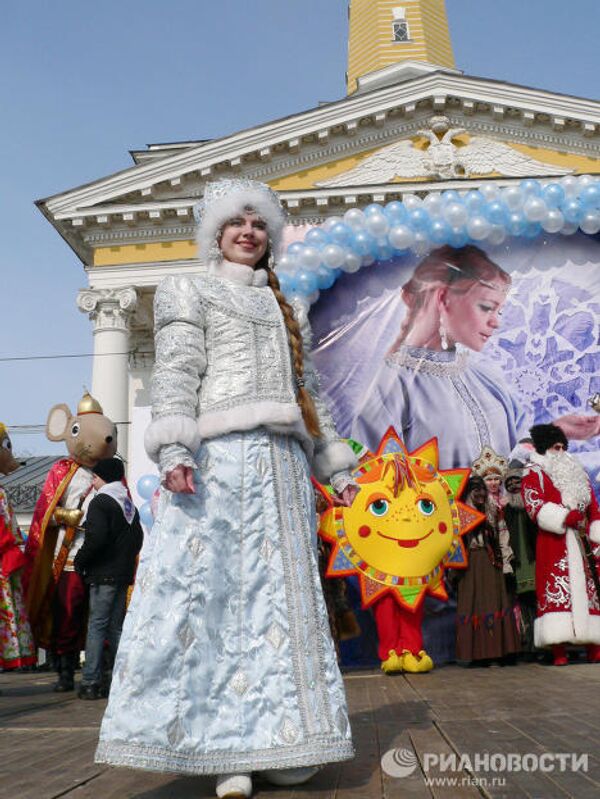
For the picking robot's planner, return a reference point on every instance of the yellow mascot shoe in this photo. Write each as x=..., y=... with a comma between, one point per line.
x=393, y=663
x=416, y=664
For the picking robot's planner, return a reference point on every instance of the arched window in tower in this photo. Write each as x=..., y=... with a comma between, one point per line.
x=400, y=32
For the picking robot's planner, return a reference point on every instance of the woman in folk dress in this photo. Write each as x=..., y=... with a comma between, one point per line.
x=226, y=664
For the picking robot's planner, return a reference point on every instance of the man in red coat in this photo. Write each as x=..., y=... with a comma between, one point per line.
x=559, y=498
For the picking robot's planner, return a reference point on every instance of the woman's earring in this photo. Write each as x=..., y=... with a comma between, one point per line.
x=443, y=336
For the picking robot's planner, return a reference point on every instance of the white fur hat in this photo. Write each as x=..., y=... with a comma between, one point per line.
x=226, y=199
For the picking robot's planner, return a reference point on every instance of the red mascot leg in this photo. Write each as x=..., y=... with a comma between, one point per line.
x=388, y=620
x=69, y=605
x=397, y=628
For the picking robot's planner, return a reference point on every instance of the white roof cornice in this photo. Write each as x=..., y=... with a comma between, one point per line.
x=473, y=93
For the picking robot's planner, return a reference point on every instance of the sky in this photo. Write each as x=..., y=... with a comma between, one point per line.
x=82, y=84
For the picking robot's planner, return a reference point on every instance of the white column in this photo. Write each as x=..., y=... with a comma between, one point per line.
x=110, y=310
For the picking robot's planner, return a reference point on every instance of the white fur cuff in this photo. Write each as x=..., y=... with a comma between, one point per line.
x=595, y=532
x=280, y=416
x=171, y=430
x=552, y=518
x=332, y=458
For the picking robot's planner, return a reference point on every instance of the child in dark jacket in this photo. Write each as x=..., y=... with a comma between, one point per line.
x=106, y=561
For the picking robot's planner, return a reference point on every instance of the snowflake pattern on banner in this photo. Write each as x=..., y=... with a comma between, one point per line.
x=548, y=347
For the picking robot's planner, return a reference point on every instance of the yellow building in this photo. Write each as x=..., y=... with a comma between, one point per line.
x=411, y=123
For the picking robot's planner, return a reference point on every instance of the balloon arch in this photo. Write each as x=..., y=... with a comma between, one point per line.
x=382, y=232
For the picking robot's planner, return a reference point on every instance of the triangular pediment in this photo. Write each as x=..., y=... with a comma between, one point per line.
x=317, y=155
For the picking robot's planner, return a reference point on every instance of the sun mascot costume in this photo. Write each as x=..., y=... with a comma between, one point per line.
x=402, y=531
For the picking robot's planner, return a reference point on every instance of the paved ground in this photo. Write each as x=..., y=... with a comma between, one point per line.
x=47, y=740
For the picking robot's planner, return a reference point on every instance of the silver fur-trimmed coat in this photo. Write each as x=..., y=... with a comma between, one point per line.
x=226, y=662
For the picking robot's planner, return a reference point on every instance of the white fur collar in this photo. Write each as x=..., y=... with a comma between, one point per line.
x=567, y=474
x=238, y=273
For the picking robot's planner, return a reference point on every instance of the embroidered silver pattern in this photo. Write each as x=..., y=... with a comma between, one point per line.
x=426, y=366
x=288, y=731
x=175, y=732
x=275, y=635
x=185, y=635
x=557, y=591
x=239, y=683
x=195, y=546
x=266, y=550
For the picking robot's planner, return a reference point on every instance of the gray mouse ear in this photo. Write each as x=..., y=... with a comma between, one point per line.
x=56, y=424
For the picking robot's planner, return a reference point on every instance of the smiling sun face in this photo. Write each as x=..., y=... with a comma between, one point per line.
x=401, y=529
x=404, y=526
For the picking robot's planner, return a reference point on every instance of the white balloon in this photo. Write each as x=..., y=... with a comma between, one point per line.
x=590, y=222
x=569, y=228
x=496, y=235
x=512, y=197
x=535, y=209
x=478, y=228
x=433, y=203
x=411, y=201
x=553, y=221
x=367, y=260
x=456, y=214
x=333, y=255
x=309, y=258
x=569, y=184
x=490, y=191
x=377, y=224
x=352, y=262
x=401, y=237
x=329, y=223
x=354, y=217
x=584, y=180
x=287, y=263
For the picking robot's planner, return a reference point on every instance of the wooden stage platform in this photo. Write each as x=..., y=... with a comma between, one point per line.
x=526, y=730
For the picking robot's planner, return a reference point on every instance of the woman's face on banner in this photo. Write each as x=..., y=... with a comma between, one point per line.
x=472, y=318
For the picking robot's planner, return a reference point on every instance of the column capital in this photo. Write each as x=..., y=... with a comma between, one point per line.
x=108, y=309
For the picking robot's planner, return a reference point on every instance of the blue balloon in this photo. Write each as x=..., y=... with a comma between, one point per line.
x=325, y=277
x=496, y=212
x=295, y=248
x=287, y=283
x=419, y=220
x=363, y=243
x=147, y=485
x=306, y=282
x=475, y=201
x=317, y=237
x=341, y=233
x=146, y=516
x=532, y=230
x=572, y=210
x=373, y=208
x=531, y=186
x=553, y=195
x=396, y=212
x=439, y=231
x=516, y=224
x=385, y=252
x=590, y=196
x=458, y=237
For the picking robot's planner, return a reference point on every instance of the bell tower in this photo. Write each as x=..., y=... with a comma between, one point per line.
x=386, y=32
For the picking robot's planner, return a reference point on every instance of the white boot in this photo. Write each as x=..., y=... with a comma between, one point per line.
x=290, y=776
x=234, y=786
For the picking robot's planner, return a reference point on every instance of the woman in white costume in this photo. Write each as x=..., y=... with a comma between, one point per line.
x=226, y=665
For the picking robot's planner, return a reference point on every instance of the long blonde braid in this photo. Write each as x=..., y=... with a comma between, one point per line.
x=305, y=401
